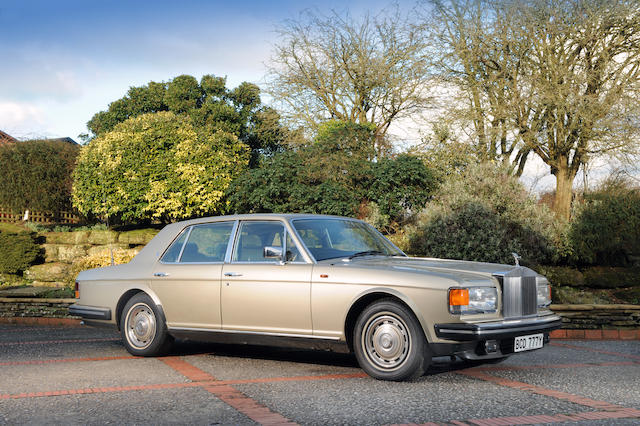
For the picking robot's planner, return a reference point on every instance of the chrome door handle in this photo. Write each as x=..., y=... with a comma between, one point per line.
x=232, y=274
x=161, y=274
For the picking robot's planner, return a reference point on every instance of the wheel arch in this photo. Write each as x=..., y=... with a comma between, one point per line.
x=364, y=300
x=127, y=295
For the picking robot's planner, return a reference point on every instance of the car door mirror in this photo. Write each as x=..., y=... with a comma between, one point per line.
x=270, y=252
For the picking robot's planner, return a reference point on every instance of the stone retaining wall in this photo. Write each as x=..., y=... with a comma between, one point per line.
x=598, y=317
x=62, y=249
x=35, y=308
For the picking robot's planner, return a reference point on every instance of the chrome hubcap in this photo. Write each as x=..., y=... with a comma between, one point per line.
x=386, y=340
x=141, y=325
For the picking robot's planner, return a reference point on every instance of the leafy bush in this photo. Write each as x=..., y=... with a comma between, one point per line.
x=606, y=228
x=592, y=277
x=335, y=175
x=157, y=166
x=328, y=176
x=36, y=175
x=18, y=251
x=629, y=295
x=484, y=215
x=572, y=295
x=470, y=232
x=562, y=276
x=401, y=185
x=301, y=182
x=604, y=277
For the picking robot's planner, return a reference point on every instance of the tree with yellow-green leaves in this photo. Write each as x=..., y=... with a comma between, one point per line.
x=157, y=167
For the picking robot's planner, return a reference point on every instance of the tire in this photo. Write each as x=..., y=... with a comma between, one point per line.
x=142, y=327
x=389, y=343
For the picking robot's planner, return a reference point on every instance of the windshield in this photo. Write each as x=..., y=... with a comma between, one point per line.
x=331, y=238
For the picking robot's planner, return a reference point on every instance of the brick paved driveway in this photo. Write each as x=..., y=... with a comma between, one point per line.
x=81, y=375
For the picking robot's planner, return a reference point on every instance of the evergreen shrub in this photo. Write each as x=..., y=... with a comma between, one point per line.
x=18, y=251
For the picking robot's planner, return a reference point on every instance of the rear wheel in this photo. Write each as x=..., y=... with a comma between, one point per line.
x=143, y=330
x=389, y=343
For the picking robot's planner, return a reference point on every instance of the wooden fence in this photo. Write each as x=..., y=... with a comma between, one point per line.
x=40, y=217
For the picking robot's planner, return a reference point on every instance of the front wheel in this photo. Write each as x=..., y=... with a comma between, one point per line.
x=143, y=330
x=389, y=343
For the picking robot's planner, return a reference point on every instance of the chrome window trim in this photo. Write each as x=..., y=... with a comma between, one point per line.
x=232, y=239
x=186, y=240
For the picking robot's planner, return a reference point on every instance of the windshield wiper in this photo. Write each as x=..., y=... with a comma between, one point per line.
x=366, y=253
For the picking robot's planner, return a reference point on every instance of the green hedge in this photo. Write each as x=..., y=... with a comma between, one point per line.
x=18, y=251
x=36, y=175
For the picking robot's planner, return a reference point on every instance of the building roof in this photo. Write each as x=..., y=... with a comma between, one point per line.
x=5, y=138
x=67, y=139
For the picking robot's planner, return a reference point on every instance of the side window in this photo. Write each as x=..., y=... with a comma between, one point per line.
x=253, y=237
x=207, y=243
x=172, y=255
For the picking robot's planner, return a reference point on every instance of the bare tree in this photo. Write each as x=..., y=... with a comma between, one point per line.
x=477, y=55
x=371, y=70
x=559, y=78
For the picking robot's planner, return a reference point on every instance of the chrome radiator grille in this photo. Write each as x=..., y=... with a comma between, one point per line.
x=519, y=296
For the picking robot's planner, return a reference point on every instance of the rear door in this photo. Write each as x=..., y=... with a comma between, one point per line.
x=187, y=278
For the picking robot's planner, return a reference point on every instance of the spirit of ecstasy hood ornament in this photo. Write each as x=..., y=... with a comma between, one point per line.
x=516, y=257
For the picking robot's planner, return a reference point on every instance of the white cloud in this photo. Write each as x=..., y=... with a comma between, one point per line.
x=21, y=119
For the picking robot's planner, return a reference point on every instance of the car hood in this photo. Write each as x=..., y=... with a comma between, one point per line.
x=457, y=269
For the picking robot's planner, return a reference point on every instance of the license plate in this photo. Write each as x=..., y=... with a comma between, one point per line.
x=527, y=343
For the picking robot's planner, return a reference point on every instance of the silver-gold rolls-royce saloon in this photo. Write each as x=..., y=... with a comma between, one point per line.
x=316, y=281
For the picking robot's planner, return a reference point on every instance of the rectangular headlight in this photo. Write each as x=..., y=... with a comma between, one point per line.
x=473, y=300
x=544, y=292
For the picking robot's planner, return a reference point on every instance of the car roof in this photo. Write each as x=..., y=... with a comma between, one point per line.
x=258, y=216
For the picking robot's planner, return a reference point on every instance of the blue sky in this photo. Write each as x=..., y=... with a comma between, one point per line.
x=63, y=61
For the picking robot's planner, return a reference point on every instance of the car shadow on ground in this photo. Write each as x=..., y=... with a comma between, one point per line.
x=439, y=365
x=303, y=356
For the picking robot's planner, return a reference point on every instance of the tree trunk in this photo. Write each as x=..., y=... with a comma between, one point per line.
x=564, y=193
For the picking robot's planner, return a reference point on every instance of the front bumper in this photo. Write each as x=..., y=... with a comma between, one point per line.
x=498, y=329
x=470, y=339
x=90, y=312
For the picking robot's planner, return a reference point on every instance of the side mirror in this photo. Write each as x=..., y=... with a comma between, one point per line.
x=269, y=252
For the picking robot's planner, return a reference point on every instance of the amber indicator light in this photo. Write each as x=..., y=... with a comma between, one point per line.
x=77, y=290
x=458, y=297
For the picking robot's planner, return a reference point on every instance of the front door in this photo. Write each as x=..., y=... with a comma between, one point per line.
x=266, y=295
